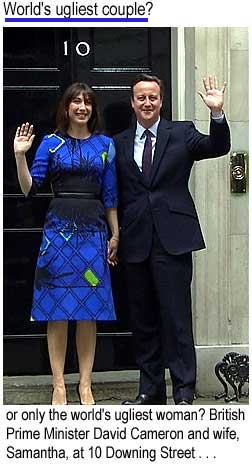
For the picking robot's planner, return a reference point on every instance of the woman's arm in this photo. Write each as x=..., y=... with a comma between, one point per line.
x=111, y=214
x=22, y=143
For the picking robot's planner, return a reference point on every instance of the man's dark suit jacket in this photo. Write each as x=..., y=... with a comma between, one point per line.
x=165, y=202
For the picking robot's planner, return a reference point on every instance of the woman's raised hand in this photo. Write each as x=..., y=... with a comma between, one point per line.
x=23, y=139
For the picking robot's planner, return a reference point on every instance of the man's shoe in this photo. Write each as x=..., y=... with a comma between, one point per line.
x=143, y=399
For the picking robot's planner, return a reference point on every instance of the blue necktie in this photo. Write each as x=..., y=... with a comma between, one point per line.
x=147, y=155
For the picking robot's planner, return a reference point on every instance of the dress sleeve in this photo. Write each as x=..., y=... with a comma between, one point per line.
x=40, y=165
x=109, y=192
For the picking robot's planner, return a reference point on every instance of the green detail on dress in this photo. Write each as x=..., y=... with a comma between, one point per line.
x=91, y=277
x=104, y=156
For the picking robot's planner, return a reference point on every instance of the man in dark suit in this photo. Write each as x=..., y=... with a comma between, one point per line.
x=159, y=231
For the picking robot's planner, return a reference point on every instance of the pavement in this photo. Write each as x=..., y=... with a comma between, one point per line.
x=109, y=388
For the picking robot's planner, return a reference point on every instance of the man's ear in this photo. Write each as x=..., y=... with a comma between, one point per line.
x=132, y=102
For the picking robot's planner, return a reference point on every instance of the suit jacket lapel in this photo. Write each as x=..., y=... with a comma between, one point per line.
x=163, y=136
x=129, y=139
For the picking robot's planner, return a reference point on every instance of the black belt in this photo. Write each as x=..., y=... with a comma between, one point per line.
x=88, y=195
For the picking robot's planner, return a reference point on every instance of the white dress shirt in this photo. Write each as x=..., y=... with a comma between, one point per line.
x=140, y=140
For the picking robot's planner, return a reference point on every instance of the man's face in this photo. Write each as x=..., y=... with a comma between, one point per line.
x=146, y=102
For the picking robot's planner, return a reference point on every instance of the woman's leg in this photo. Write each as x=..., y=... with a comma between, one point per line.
x=57, y=344
x=85, y=343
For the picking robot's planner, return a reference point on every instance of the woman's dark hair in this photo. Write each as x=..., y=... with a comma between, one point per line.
x=62, y=118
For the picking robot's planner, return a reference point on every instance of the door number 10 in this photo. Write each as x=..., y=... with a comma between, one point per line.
x=82, y=48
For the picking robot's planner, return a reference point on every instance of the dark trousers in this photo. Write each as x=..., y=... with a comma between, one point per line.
x=159, y=295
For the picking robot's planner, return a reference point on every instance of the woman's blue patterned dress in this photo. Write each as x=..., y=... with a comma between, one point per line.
x=72, y=279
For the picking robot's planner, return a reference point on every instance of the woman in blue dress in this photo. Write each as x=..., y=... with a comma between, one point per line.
x=72, y=278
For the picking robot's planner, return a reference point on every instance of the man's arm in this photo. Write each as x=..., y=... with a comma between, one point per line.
x=217, y=143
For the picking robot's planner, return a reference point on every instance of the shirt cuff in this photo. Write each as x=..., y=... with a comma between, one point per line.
x=217, y=116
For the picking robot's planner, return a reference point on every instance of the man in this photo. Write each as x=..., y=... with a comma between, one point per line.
x=159, y=231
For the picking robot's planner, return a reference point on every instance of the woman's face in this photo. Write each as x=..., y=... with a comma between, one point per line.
x=80, y=110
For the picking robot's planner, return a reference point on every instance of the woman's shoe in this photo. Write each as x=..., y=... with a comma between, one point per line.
x=82, y=402
x=59, y=395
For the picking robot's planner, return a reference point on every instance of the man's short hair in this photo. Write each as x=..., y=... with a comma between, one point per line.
x=145, y=77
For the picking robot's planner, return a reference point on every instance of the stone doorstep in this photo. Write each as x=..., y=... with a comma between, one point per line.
x=105, y=394
x=27, y=395
x=107, y=386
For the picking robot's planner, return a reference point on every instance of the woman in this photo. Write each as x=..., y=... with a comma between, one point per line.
x=72, y=279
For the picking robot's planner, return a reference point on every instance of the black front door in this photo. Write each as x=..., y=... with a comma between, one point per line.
x=39, y=63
